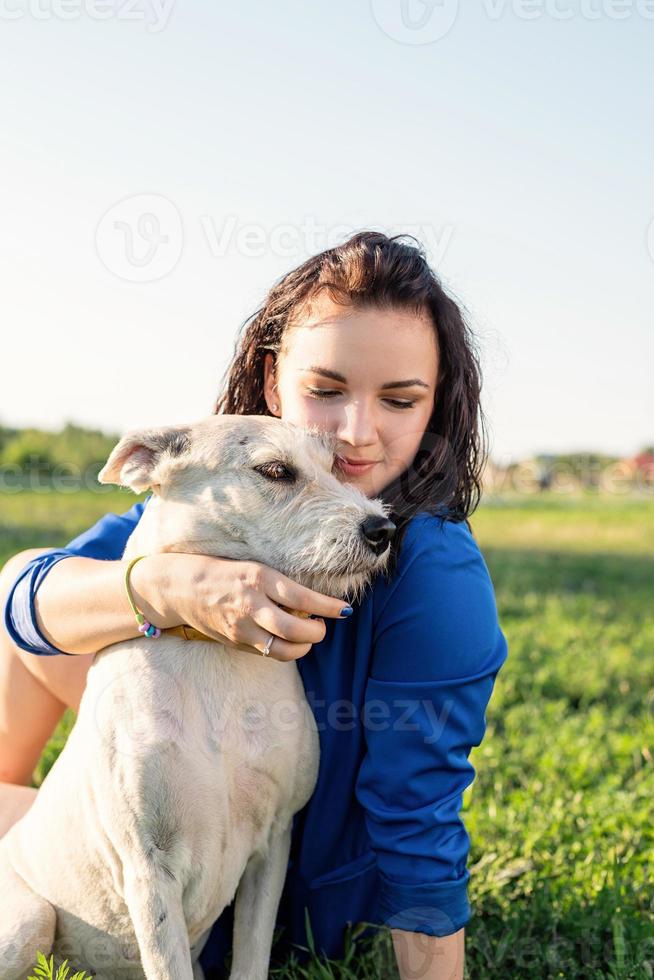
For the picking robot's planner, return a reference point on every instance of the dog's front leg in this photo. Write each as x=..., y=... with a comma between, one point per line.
x=255, y=911
x=27, y=923
x=154, y=900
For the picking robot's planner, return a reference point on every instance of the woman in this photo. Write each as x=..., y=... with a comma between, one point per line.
x=361, y=341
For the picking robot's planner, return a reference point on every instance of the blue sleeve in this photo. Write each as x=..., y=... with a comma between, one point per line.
x=106, y=540
x=437, y=649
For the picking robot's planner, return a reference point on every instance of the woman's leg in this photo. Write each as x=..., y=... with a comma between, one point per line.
x=34, y=691
x=14, y=802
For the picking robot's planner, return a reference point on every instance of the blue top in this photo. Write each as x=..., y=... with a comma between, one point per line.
x=399, y=692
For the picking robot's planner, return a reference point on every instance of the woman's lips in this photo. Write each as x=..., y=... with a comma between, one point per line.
x=354, y=469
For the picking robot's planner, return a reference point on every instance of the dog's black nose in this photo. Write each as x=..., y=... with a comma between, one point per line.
x=377, y=533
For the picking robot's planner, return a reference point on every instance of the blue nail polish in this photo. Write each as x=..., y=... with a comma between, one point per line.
x=347, y=611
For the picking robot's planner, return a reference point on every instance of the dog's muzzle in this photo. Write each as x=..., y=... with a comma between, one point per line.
x=377, y=533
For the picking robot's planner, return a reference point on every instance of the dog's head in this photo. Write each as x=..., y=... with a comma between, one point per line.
x=254, y=488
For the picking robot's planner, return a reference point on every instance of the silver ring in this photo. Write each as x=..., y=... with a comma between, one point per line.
x=269, y=642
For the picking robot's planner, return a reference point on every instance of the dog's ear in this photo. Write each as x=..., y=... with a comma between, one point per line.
x=136, y=461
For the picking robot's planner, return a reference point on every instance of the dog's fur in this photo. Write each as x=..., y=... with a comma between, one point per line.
x=188, y=759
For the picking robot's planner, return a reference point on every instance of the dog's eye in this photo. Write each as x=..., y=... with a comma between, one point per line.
x=276, y=471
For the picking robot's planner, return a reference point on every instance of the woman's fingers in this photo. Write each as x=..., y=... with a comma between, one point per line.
x=288, y=593
x=288, y=627
x=279, y=649
x=293, y=636
x=259, y=602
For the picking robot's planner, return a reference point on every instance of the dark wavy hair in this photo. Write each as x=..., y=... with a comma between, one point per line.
x=373, y=270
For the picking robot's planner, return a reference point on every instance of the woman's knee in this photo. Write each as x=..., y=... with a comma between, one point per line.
x=8, y=575
x=28, y=711
x=62, y=677
x=14, y=566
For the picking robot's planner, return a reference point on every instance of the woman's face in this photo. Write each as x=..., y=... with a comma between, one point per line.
x=368, y=376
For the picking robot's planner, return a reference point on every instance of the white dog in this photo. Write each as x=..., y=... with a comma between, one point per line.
x=178, y=785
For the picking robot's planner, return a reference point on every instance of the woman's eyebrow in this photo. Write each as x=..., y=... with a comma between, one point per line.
x=335, y=376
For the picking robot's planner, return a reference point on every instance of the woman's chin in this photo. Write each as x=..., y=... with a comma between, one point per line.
x=371, y=483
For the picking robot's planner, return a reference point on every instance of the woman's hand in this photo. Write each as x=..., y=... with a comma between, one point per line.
x=237, y=602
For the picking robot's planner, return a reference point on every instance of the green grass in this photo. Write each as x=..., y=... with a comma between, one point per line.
x=46, y=969
x=47, y=519
x=560, y=814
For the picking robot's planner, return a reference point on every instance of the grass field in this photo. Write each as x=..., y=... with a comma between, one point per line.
x=560, y=814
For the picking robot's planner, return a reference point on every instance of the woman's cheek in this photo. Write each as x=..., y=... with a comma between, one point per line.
x=317, y=414
x=399, y=438
x=401, y=446
x=305, y=412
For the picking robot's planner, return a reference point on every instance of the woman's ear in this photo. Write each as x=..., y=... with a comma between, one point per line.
x=135, y=462
x=270, y=392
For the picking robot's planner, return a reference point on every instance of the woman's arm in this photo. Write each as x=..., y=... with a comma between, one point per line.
x=98, y=549
x=437, y=648
x=422, y=957
x=82, y=606
x=79, y=606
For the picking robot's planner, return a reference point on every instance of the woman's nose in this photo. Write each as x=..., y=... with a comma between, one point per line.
x=357, y=425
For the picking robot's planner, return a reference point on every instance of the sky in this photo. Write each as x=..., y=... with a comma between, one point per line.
x=164, y=162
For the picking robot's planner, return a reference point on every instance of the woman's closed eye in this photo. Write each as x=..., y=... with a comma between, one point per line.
x=331, y=393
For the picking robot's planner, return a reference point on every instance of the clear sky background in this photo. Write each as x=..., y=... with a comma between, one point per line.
x=515, y=140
